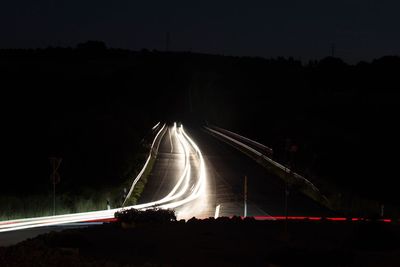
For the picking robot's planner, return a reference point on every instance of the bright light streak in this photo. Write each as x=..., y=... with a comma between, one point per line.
x=170, y=140
x=189, y=187
x=185, y=177
x=238, y=136
x=200, y=187
x=256, y=152
x=186, y=172
x=180, y=194
x=217, y=211
x=144, y=167
x=155, y=126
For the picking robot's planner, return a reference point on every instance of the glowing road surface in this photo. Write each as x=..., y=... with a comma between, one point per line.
x=188, y=196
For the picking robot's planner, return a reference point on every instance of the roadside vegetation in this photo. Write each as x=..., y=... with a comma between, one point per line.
x=139, y=187
x=92, y=106
x=159, y=241
x=84, y=198
x=152, y=215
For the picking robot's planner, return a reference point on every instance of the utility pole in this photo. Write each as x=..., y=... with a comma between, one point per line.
x=287, y=177
x=245, y=196
x=292, y=149
x=333, y=50
x=55, y=178
x=286, y=205
x=167, y=41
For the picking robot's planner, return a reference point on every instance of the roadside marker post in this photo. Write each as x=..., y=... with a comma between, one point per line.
x=55, y=178
x=245, y=196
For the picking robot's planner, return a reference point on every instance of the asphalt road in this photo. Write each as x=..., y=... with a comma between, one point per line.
x=168, y=170
x=195, y=174
x=225, y=168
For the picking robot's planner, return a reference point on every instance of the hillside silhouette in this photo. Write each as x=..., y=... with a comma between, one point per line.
x=92, y=105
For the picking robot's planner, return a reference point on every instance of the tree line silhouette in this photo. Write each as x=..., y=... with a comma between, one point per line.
x=91, y=105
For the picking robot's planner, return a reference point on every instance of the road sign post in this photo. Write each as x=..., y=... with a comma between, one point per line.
x=55, y=178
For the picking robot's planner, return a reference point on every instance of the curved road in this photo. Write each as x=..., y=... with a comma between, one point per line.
x=199, y=176
x=225, y=171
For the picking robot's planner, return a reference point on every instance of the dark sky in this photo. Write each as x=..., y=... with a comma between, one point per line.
x=360, y=29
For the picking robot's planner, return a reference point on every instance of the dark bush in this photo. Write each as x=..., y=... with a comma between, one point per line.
x=147, y=216
x=193, y=220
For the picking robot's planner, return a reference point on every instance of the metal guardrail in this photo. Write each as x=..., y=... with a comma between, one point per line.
x=258, y=153
x=152, y=151
x=245, y=139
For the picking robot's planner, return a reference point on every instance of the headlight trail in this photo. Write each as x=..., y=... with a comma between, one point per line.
x=189, y=187
x=200, y=186
x=144, y=167
x=155, y=126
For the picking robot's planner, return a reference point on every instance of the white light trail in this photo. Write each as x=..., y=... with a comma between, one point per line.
x=144, y=167
x=217, y=211
x=181, y=194
x=256, y=152
x=170, y=140
x=200, y=187
x=155, y=126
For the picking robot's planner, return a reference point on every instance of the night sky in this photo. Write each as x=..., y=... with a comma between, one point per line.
x=360, y=29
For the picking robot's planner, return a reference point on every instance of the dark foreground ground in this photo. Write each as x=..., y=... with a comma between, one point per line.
x=220, y=242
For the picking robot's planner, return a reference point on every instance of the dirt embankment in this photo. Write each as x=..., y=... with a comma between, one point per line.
x=221, y=242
